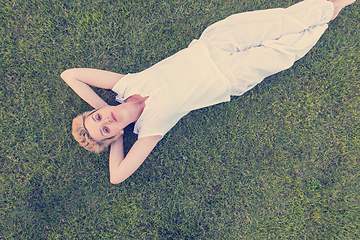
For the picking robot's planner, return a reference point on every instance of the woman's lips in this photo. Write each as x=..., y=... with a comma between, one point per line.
x=113, y=116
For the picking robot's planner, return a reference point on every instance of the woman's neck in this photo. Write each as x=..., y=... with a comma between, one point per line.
x=137, y=103
x=136, y=98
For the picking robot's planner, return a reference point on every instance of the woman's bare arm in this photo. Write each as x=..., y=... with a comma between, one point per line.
x=80, y=80
x=121, y=168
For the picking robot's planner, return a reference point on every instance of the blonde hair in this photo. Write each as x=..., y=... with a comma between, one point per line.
x=82, y=135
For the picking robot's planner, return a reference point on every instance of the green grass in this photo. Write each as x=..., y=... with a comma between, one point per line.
x=279, y=162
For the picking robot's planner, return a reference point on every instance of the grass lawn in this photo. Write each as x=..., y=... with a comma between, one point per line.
x=280, y=162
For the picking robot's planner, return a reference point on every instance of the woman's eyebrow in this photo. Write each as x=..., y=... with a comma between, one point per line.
x=100, y=128
x=92, y=113
x=93, y=118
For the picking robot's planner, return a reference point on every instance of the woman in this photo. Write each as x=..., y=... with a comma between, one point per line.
x=230, y=57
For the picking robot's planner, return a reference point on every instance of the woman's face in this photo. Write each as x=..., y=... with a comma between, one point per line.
x=105, y=122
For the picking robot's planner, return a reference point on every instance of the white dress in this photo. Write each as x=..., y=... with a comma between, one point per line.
x=231, y=57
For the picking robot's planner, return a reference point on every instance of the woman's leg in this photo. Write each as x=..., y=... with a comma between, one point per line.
x=268, y=48
x=245, y=30
x=245, y=69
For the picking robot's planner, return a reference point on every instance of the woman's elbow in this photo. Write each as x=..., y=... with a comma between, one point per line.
x=67, y=74
x=115, y=180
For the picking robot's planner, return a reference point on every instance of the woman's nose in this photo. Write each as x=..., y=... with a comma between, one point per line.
x=106, y=120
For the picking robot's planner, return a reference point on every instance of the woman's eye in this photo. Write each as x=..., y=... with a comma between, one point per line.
x=106, y=130
x=98, y=117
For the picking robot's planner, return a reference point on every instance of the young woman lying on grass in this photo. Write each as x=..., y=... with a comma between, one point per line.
x=230, y=57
